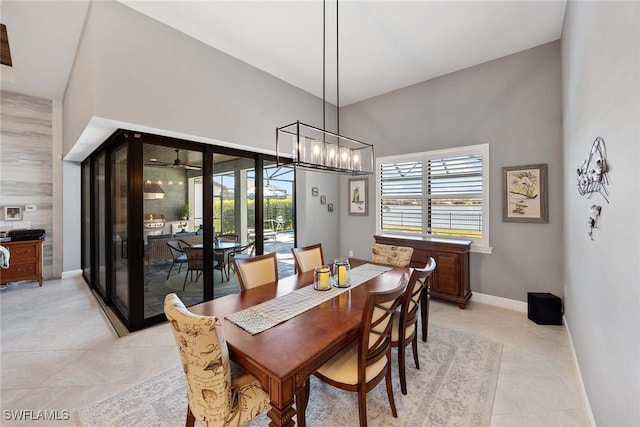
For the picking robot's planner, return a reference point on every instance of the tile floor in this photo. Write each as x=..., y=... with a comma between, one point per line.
x=58, y=352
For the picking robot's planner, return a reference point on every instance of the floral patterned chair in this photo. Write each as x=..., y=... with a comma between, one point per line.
x=217, y=394
x=399, y=256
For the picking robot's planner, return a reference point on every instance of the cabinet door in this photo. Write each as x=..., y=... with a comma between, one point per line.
x=447, y=277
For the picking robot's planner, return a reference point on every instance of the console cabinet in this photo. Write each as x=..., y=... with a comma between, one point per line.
x=25, y=262
x=450, y=280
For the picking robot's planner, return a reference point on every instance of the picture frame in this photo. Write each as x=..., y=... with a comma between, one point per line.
x=315, y=191
x=12, y=213
x=330, y=207
x=358, y=202
x=323, y=200
x=524, y=190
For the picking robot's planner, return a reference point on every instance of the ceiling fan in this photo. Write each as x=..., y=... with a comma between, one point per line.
x=177, y=163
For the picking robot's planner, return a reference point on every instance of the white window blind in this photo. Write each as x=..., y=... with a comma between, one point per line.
x=441, y=193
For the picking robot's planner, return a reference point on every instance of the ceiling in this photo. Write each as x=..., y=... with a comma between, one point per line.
x=384, y=45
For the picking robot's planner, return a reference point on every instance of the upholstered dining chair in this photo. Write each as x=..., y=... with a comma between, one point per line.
x=219, y=393
x=308, y=257
x=256, y=271
x=367, y=360
x=178, y=255
x=405, y=326
x=399, y=256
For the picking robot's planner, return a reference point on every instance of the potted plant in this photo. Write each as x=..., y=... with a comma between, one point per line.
x=185, y=211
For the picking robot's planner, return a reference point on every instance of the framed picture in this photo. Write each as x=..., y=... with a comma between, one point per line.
x=315, y=191
x=323, y=200
x=358, y=193
x=525, y=194
x=12, y=213
x=330, y=207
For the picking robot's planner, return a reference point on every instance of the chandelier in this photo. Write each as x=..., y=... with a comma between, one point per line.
x=310, y=147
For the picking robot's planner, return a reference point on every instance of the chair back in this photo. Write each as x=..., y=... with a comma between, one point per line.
x=205, y=361
x=256, y=271
x=399, y=256
x=194, y=258
x=410, y=302
x=245, y=251
x=175, y=248
x=375, y=333
x=308, y=257
x=228, y=238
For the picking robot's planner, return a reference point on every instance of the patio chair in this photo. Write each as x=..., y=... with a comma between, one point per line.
x=178, y=255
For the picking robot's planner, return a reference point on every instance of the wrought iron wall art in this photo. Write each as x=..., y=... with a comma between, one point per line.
x=593, y=219
x=592, y=174
x=592, y=178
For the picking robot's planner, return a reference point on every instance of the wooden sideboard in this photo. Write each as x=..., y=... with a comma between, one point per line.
x=450, y=280
x=25, y=261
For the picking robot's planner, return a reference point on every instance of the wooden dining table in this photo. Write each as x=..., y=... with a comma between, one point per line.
x=283, y=357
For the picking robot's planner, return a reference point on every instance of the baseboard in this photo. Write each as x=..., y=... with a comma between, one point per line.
x=500, y=302
x=583, y=390
x=70, y=274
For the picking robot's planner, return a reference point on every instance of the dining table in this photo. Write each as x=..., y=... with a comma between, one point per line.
x=284, y=356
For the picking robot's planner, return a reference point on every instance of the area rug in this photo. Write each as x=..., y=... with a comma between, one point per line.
x=455, y=386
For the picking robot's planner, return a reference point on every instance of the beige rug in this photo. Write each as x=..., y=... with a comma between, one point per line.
x=455, y=386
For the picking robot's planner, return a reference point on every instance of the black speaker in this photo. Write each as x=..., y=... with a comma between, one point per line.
x=544, y=308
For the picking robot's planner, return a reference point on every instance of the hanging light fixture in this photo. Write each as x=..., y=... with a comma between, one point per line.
x=310, y=147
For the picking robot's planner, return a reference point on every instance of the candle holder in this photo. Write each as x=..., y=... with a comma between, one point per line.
x=322, y=278
x=341, y=273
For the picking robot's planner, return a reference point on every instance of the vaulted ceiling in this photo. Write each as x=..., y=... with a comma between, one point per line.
x=383, y=45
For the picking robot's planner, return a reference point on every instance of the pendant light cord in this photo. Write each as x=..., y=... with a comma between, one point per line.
x=337, y=73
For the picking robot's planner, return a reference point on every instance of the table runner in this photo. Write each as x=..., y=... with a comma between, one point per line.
x=270, y=313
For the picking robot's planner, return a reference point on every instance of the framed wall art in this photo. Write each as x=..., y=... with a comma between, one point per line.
x=358, y=203
x=525, y=194
x=12, y=213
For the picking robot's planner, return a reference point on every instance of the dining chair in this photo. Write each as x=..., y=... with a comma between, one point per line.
x=399, y=256
x=308, y=257
x=367, y=360
x=178, y=255
x=221, y=262
x=405, y=326
x=256, y=271
x=194, y=263
x=218, y=391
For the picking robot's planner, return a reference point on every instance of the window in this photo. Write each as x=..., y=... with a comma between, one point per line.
x=443, y=193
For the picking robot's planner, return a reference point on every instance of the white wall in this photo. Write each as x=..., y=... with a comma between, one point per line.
x=512, y=103
x=315, y=223
x=601, y=94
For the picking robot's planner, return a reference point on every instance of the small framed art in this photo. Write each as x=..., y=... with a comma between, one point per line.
x=525, y=194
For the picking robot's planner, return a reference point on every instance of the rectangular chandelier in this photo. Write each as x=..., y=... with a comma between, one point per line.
x=313, y=148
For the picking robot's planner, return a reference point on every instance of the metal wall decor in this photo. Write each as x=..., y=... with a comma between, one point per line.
x=592, y=177
x=592, y=174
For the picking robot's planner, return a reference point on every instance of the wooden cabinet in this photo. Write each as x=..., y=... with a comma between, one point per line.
x=450, y=281
x=25, y=262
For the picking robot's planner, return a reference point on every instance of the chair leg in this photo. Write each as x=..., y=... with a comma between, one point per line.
x=169, y=273
x=414, y=347
x=402, y=368
x=425, y=297
x=387, y=380
x=362, y=405
x=302, y=398
x=184, y=284
x=191, y=420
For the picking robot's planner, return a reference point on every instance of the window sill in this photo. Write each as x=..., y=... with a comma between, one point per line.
x=478, y=249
